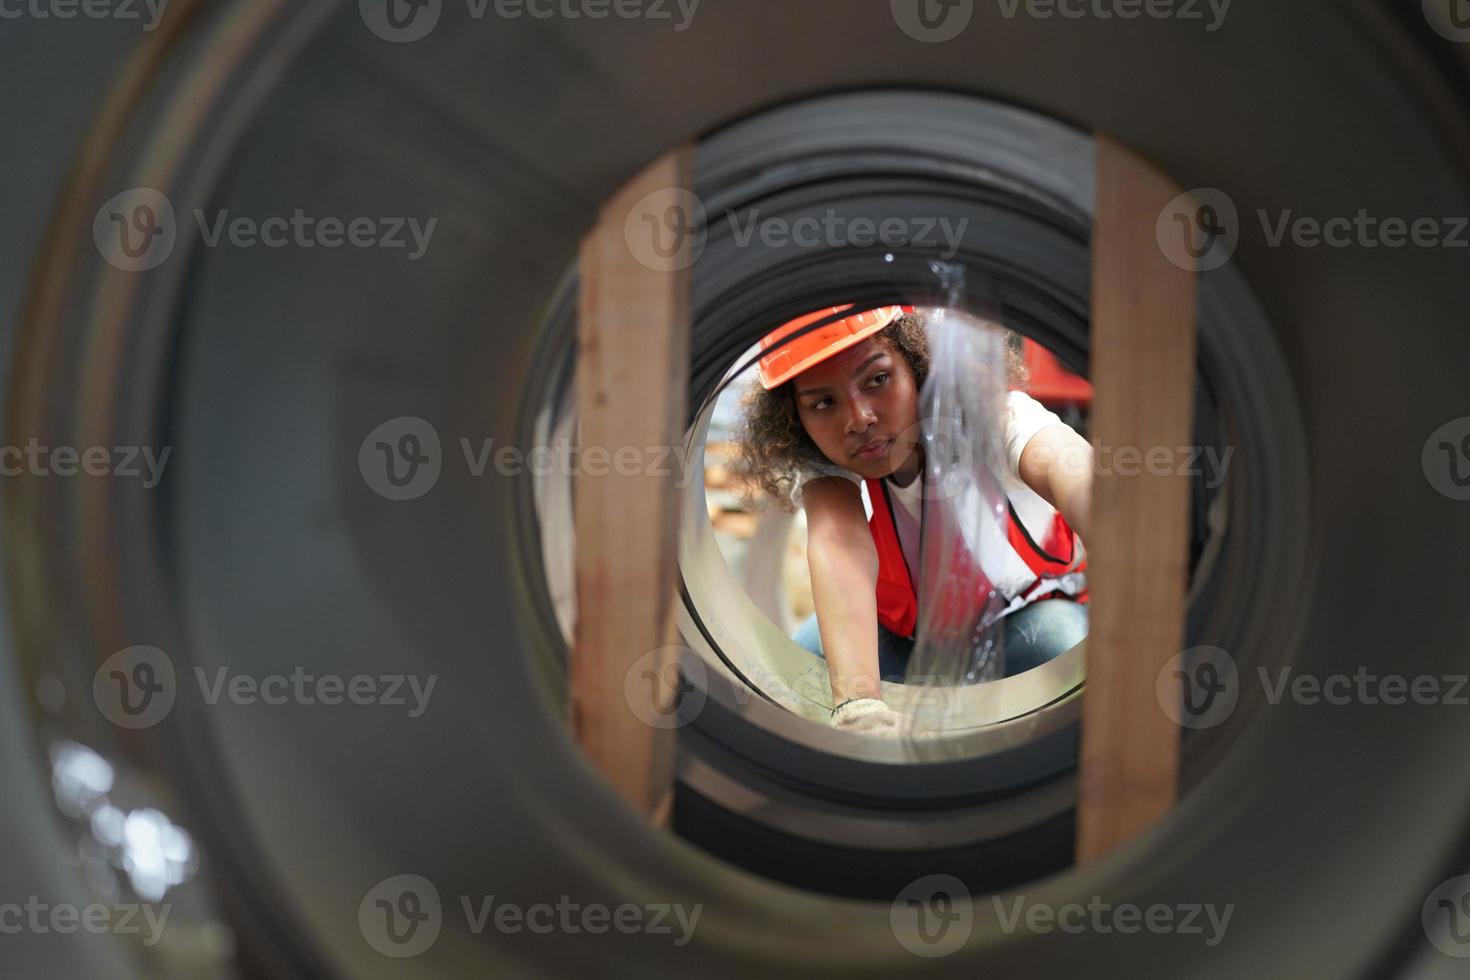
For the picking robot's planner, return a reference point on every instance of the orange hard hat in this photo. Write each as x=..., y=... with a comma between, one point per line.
x=815, y=346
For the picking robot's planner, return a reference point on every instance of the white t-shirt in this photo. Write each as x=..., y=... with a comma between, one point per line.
x=1025, y=417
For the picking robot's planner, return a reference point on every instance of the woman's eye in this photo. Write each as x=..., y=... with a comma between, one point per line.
x=817, y=406
x=881, y=378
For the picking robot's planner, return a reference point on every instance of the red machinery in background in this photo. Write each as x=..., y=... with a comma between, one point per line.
x=1049, y=382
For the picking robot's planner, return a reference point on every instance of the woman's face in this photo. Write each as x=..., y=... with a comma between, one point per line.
x=861, y=408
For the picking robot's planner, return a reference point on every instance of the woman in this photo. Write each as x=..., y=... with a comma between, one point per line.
x=837, y=411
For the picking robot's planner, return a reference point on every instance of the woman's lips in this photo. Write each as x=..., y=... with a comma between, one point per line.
x=874, y=451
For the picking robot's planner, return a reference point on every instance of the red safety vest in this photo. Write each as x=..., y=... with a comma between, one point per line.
x=898, y=602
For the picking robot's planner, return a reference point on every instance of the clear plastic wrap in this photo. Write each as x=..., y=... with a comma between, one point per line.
x=964, y=527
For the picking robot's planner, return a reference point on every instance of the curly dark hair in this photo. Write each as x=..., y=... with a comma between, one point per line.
x=771, y=444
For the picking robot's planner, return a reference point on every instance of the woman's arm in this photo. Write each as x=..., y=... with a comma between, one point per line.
x=1057, y=463
x=844, y=568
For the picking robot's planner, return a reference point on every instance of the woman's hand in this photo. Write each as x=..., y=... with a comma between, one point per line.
x=867, y=716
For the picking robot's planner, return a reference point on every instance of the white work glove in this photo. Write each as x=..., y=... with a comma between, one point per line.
x=868, y=716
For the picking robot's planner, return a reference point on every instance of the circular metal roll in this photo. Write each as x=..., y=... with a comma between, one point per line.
x=1013, y=193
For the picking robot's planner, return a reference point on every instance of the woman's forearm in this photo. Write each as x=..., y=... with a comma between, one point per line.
x=1072, y=489
x=844, y=579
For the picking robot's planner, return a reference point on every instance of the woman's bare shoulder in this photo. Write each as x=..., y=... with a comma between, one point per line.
x=832, y=502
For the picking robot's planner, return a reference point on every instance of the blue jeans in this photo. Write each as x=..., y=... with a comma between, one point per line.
x=1034, y=634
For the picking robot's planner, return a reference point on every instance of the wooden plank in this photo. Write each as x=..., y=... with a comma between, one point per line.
x=632, y=381
x=1143, y=367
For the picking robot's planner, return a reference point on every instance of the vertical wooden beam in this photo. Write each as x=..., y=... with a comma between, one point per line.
x=632, y=380
x=1143, y=367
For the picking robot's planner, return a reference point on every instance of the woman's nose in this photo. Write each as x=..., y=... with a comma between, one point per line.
x=860, y=417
